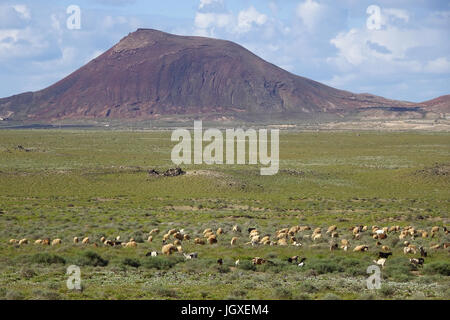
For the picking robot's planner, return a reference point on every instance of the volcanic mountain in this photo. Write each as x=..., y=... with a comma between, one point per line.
x=150, y=73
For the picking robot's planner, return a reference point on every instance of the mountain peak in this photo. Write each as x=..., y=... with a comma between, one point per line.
x=150, y=73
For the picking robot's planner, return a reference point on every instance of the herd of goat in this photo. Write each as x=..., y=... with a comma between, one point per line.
x=173, y=239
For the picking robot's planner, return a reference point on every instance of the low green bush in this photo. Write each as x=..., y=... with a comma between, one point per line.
x=46, y=258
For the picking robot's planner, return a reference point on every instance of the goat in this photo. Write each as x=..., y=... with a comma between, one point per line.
x=384, y=255
x=417, y=261
x=423, y=253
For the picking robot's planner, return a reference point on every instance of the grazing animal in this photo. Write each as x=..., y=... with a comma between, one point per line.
x=255, y=240
x=236, y=228
x=361, y=248
x=150, y=238
x=382, y=236
x=199, y=241
x=334, y=246
x=423, y=253
x=23, y=241
x=13, y=241
x=108, y=243
x=208, y=234
x=233, y=241
x=166, y=237
x=168, y=249
x=236, y=263
x=177, y=242
x=331, y=229
x=446, y=245
x=250, y=229
x=56, y=241
x=385, y=248
x=212, y=239
x=154, y=231
x=46, y=242
x=384, y=255
x=85, y=240
x=417, y=261
x=253, y=233
x=219, y=231
x=178, y=236
x=186, y=237
x=435, y=247
x=192, y=255
x=381, y=262
x=76, y=240
x=151, y=254
x=131, y=244
x=39, y=241
x=102, y=239
x=302, y=262
x=293, y=259
x=317, y=236
x=407, y=250
x=258, y=260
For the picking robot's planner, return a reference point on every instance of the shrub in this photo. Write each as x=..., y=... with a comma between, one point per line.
x=386, y=290
x=14, y=295
x=331, y=296
x=325, y=266
x=308, y=288
x=46, y=258
x=135, y=263
x=166, y=292
x=161, y=263
x=398, y=269
x=90, y=258
x=283, y=293
x=27, y=273
x=247, y=265
x=439, y=267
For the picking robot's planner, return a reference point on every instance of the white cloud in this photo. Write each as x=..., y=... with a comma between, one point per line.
x=392, y=13
x=206, y=20
x=310, y=12
x=246, y=18
x=205, y=3
x=22, y=10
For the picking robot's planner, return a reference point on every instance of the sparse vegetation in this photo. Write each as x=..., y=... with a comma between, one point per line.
x=95, y=183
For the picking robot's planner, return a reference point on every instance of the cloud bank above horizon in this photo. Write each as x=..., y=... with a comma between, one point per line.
x=396, y=49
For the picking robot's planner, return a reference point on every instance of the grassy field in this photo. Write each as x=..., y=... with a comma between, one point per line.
x=61, y=184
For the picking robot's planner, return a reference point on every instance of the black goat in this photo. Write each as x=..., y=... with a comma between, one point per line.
x=384, y=255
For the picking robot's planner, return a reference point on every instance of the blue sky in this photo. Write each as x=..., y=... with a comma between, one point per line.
x=402, y=52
